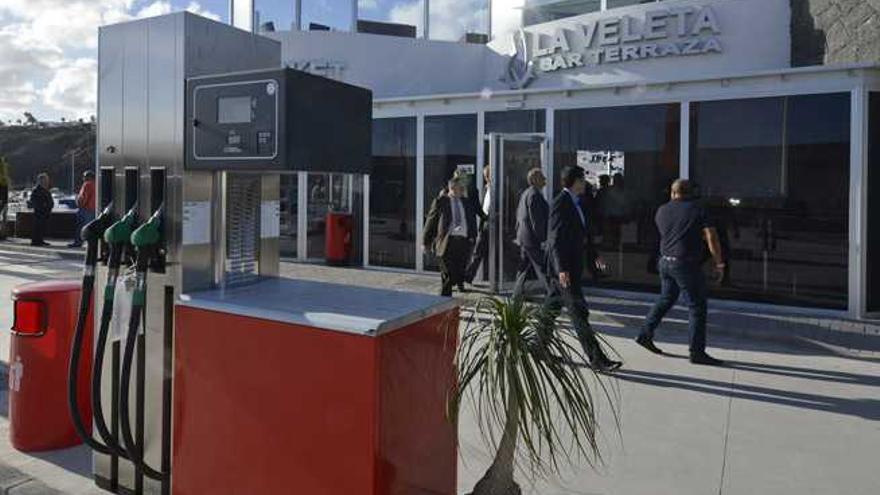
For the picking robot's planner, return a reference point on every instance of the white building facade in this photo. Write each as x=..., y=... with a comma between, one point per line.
x=637, y=93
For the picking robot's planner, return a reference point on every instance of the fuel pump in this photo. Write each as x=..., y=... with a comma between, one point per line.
x=92, y=234
x=117, y=237
x=146, y=241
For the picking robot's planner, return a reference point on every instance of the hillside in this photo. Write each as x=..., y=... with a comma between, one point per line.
x=31, y=150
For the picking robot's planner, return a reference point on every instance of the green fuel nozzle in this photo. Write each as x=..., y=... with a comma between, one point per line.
x=120, y=232
x=149, y=235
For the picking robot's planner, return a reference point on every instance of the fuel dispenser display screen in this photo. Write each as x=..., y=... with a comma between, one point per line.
x=236, y=121
x=278, y=119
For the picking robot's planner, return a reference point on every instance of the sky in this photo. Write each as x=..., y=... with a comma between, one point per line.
x=48, y=48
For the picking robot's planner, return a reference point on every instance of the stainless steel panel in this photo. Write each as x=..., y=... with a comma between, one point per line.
x=270, y=246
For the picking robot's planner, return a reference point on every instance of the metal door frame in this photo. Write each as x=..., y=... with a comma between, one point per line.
x=496, y=212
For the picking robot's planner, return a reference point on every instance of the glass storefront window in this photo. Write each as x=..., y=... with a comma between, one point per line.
x=404, y=12
x=277, y=12
x=392, y=193
x=323, y=15
x=450, y=145
x=774, y=173
x=873, y=210
x=516, y=121
x=289, y=212
x=631, y=156
x=539, y=11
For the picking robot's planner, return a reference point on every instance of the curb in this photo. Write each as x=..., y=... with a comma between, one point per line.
x=60, y=251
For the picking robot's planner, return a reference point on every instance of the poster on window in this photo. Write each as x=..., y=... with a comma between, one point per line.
x=598, y=163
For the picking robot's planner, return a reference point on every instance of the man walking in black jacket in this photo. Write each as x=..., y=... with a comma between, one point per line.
x=42, y=203
x=531, y=232
x=684, y=228
x=449, y=233
x=566, y=241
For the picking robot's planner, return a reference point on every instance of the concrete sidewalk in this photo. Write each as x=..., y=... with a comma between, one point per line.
x=789, y=416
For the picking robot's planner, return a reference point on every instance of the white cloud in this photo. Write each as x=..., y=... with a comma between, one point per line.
x=73, y=89
x=368, y=4
x=450, y=19
x=47, y=52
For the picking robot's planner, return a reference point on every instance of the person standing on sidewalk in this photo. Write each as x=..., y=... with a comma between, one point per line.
x=449, y=233
x=532, y=214
x=42, y=203
x=85, y=201
x=684, y=227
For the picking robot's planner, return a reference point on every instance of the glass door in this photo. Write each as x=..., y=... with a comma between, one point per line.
x=511, y=156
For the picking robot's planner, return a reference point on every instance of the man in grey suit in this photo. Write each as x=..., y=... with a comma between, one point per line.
x=531, y=232
x=449, y=233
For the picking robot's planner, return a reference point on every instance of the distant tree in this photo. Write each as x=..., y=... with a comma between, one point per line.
x=30, y=119
x=18, y=121
x=63, y=120
x=80, y=120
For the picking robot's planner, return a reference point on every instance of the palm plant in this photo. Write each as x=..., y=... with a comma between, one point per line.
x=522, y=376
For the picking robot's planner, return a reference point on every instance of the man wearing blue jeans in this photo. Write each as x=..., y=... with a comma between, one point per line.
x=684, y=228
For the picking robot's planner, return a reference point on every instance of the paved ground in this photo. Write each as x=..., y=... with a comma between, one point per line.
x=792, y=415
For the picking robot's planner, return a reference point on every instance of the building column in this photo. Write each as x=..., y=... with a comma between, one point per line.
x=297, y=15
x=858, y=202
x=366, y=226
x=302, y=215
x=354, y=16
x=550, y=162
x=426, y=19
x=684, y=147
x=420, y=190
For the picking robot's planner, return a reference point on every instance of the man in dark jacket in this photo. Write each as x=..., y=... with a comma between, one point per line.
x=42, y=203
x=449, y=233
x=566, y=242
x=531, y=232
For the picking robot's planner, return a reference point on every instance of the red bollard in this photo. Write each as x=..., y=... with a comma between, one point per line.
x=338, y=239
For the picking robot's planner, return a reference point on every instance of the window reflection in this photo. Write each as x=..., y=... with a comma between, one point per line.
x=289, y=211
x=774, y=173
x=450, y=147
x=400, y=15
x=631, y=156
x=392, y=193
x=274, y=15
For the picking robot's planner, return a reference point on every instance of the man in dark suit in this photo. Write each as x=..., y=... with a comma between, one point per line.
x=42, y=203
x=531, y=232
x=566, y=241
x=449, y=233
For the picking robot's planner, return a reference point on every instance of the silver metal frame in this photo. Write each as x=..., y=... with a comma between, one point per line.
x=497, y=214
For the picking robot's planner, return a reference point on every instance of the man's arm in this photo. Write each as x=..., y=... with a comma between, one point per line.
x=431, y=223
x=711, y=236
x=537, y=210
x=558, y=232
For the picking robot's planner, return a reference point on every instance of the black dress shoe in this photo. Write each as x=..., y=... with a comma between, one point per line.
x=703, y=358
x=606, y=366
x=648, y=343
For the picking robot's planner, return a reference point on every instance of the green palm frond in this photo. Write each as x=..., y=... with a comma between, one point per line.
x=513, y=353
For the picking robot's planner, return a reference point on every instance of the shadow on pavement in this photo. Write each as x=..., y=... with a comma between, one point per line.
x=867, y=408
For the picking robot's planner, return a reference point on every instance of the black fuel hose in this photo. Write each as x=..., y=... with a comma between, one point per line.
x=117, y=236
x=92, y=233
x=109, y=438
x=145, y=239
